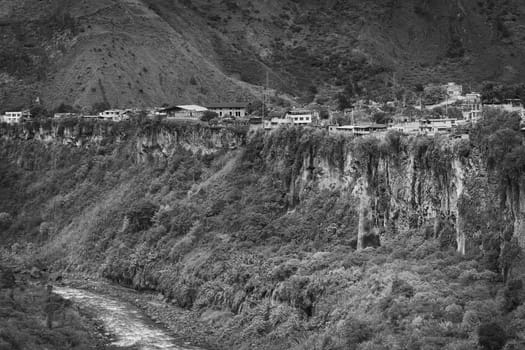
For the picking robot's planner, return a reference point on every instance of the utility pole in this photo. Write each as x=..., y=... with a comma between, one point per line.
x=394, y=84
x=265, y=88
x=446, y=107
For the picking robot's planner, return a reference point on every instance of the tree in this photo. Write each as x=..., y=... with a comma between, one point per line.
x=455, y=113
x=491, y=336
x=343, y=102
x=39, y=112
x=381, y=118
x=434, y=94
x=64, y=108
x=7, y=280
x=513, y=295
x=140, y=216
x=324, y=114
x=256, y=108
x=208, y=115
x=100, y=107
x=5, y=220
x=510, y=254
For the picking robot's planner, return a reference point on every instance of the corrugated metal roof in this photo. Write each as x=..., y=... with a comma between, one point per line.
x=194, y=108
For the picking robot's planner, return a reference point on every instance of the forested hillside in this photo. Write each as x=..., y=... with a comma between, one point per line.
x=292, y=239
x=150, y=52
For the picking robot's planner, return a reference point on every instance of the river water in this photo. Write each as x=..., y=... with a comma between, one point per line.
x=128, y=327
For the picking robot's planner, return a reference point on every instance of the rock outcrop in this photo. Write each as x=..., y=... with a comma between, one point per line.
x=425, y=183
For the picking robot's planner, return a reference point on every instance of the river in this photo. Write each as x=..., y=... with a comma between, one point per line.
x=128, y=327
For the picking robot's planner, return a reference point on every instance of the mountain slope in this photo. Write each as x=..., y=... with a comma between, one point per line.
x=149, y=52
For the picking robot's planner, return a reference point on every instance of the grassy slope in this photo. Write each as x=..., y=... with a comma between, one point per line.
x=217, y=235
x=157, y=51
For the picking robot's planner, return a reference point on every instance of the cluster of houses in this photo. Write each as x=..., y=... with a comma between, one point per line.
x=195, y=112
x=224, y=111
x=469, y=104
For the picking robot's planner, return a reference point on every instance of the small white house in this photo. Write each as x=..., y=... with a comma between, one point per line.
x=115, y=115
x=358, y=130
x=300, y=116
x=237, y=110
x=406, y=127
x=438, y=125
x=15, y=117
x=274, y=123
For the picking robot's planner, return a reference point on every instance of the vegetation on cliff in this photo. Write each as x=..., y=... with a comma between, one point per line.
x=31, y=317
x=261, y=241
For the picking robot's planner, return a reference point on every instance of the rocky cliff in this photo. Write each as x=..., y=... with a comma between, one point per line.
x=398, y=182
x=294, y=239
x=152, y=140
x=402, y=183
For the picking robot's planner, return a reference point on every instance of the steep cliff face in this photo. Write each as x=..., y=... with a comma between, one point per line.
x=149, y=139
x=402, y=183
x=263, y=244
x=398, y=183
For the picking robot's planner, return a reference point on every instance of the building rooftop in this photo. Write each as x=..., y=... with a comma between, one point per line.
x=226, y=105
x=194, y=108
x=298, y=111
x=363, y=126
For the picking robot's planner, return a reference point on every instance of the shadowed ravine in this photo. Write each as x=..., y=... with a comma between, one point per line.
x=127, y=325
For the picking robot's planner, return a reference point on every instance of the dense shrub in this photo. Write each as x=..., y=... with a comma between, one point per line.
x=491, y=336
x=5, y=220
x=140, y=215
x=513, y=295
x=402, y=288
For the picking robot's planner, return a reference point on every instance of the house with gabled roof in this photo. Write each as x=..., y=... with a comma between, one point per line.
x=184, y=112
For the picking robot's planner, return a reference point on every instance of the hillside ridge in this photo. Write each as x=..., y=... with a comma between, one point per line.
x=151, y=52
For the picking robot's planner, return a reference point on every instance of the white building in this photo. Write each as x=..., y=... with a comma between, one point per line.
x=300, y=116
x=15, y=117
x=438, y=125
x=185, y=112
x=358, y=130
x=406, y=127
x=237, y=110
x=472, y=108
x=115, y=115
x=274, y=123
x=453, y=90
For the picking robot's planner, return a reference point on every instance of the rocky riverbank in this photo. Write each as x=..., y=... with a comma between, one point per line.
x=186, y=327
